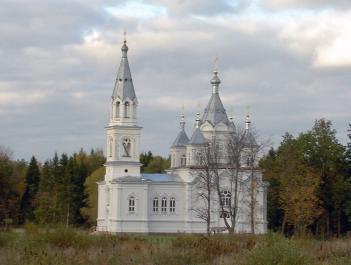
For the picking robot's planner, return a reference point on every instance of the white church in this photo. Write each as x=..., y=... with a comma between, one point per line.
x=134, y=202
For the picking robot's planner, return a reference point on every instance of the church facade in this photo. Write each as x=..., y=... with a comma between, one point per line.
x=131, y=201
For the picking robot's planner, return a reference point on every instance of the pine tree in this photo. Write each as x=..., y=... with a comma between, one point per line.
x=32, y=179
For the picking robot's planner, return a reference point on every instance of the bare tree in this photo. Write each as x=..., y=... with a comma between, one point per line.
x=221, y=192
x=204, y=184
x=252, y=152
x=243, y=152
x=235, y=147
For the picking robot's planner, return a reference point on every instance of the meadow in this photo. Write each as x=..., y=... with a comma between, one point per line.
x=68, y=246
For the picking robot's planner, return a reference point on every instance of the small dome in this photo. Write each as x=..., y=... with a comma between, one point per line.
x=215, y=79
x=124, y=47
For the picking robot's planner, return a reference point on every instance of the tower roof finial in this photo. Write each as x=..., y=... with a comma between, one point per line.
x=215, y=81
x=215, y=63
x=197, y=121
x=182, y=119
x=124, y=46
x=247, y=119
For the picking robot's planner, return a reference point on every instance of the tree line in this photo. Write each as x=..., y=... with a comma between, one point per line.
x=309, y=178
x=61, y=190
x=310, y=182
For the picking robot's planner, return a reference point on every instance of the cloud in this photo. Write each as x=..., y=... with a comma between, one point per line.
x=201, y=7
x=306, y=4
x=57, y=72
x=325, y=37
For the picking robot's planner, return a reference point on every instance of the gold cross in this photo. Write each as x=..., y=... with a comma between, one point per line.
x=215, y=63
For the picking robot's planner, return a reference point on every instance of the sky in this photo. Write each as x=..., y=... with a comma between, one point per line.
x=286, y=61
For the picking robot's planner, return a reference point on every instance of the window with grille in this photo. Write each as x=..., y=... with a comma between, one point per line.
x=172, y=205
x=131, y=204
x=155, y=205
x=164, y=205
x=225, y=198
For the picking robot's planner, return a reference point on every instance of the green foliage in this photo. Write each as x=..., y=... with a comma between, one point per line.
x=66, y=237
x=62, y=193
x=60, y=245
x=11, y=181
x=316, y=160
x=157, y=164
x=278, y=250
x=31, y=182
x=90, y=210
x=145, y=159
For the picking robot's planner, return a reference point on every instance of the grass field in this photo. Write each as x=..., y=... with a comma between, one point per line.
x=60, y=246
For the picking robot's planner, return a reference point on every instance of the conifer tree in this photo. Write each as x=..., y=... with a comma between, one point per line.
x=31, y=188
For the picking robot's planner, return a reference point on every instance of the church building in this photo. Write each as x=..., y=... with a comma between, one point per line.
x=131, y=201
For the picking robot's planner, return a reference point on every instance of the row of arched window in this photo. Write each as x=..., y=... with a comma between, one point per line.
x=126, y=108
x=164, y=205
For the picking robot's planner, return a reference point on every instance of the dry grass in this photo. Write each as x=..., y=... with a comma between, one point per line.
x=60, y=246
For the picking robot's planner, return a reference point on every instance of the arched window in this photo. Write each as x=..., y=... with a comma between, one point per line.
x=126, y=110
x=198, y=157
x=131, y=204
x=183, y=161
x=172, y=205
x=164, y=205
x=126, y=144
x=219, y=150
x=110, y=146
x=155, y=205
x=117, y=109
x=249, y=161
x=225, y=198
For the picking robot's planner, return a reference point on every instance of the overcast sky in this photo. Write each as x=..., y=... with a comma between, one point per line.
x=289, y=60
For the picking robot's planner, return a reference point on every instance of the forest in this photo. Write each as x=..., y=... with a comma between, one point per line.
x=309, y=191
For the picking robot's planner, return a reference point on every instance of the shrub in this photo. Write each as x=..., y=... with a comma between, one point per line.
x=6, y=238
x=277, y=250
x=65, y=237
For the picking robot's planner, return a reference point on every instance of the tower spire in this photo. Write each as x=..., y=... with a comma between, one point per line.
x=124, y=88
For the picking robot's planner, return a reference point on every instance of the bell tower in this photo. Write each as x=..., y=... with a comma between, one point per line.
x=123, y=132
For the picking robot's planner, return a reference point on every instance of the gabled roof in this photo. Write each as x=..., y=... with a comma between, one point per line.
x=197, y=138
x=215, y=112
x=249, y=140
x=124, y=84
x=181, y=140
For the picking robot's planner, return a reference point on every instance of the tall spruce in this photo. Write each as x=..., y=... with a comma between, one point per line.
x=31, y=182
